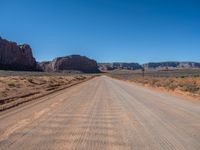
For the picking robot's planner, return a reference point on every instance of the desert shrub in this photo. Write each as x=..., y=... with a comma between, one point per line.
x=158, y=84
x=191, y=88
x=197, y=75
x=142, y=81
x=60, y=77
x=166, y=84
x=30, y=79
x=11, y=84
x=153, y=81
x=146, y=81
x=172, y=86
x=80, y=77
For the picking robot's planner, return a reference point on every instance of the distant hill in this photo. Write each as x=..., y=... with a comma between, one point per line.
x=129, y=66
x=171, y=65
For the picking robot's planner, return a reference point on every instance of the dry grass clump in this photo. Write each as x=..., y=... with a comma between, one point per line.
x=11, y=84
x=30, y=79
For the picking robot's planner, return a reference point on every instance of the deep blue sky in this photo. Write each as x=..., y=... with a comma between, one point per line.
x=105, y=30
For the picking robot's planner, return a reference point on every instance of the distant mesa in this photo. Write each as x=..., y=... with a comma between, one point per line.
x=129, y=66
x=149, y=66
x=171, y=65
x=72, y=62
x=20, y=58
x=16, y=57
x=119, y=65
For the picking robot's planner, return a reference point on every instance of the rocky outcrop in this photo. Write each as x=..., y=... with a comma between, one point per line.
x=16, y=57
x=172, y=65
x=73, y=62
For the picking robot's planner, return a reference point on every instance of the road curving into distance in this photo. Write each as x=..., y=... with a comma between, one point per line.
x=103, y=114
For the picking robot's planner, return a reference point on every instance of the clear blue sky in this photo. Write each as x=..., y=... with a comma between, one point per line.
x=105, y=30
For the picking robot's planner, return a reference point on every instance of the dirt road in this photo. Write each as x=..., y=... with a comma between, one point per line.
x=101, y=114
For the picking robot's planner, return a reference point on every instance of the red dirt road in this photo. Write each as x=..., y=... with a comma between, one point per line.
x=101, y=114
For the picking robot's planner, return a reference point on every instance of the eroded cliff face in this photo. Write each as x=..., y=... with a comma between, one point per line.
x=16, y=57
x=73, y=62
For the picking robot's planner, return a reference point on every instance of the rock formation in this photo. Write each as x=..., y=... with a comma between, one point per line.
x=16, y=57
x=73, y=62
x=20, y=57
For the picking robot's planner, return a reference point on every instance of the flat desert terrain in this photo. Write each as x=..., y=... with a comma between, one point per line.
x=19, y=87
x=185, y=82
